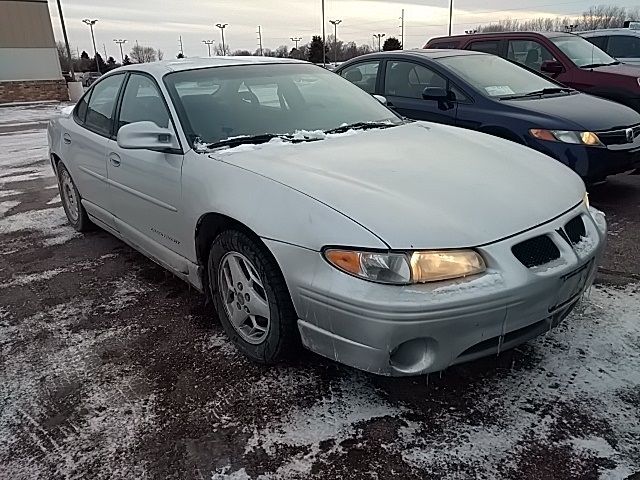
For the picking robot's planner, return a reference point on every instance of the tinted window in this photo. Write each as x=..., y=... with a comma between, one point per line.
x=405, y=79
x=489, y=46
x=626, y=46
x=445, y=45
x=599, y=42
x=81, y=110
x=363, y=75
x=529, y=53
x=495, y=76
x=141, y=102
x=100, y=110
x=581, y=52
x=270, y=98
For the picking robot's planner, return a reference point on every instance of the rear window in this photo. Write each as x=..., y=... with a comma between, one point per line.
x=486, y=46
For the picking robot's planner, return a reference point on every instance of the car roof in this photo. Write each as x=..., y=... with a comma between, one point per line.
x=431, y=53
x=608, y=31
x=193, y=63
x=503, y=34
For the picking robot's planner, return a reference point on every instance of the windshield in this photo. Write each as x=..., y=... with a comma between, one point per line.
x=494, y=76
x=582, y=52
x=225, y=102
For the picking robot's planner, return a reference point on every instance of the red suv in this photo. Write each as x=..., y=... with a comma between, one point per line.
x=565, y=57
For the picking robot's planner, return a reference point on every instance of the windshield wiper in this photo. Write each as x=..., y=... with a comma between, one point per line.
x=249, y=140
x=360, y=126
x=596, y=65
x=538, y=93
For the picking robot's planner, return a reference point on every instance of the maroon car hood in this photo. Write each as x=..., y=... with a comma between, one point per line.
x=620, y=69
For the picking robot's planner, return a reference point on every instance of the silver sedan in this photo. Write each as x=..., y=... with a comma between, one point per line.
x=313, y=215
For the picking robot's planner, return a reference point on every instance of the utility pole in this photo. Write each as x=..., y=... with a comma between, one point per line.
x=208, y=43
x=260, y=38
x=296, y=39
x=66, y=43
x=324, y=39
x=121, y=42
x=181, y=51
x=104, y=46
x=379, y=37
x=222, y=26
x=335, y=39
x=91, y=23
x=450, y=15
x=402, y=29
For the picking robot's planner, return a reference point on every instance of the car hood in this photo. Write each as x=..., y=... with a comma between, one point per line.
x=620, y=69
x=421, y=185
x=578, y=109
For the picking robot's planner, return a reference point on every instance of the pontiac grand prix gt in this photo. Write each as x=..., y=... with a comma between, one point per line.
x=312, y=214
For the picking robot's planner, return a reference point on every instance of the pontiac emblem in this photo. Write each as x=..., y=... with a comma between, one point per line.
x=629, y=133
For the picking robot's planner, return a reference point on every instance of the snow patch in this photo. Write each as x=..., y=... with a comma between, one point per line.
x=51, y=223
x=489, y=280
x=7, y=205
x=55, y=200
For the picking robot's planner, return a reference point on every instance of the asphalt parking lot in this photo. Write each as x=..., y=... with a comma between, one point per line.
x=112, y=368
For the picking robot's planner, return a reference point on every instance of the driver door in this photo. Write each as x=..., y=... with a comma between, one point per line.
x=145, y=186
x=404, y=83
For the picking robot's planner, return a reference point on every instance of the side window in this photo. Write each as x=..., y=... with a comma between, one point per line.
x=405, y=79
x=486, y=46
x=599, y=42
x=624, y=46
x=100, y=109
x=363, y=75
x=81, y=110
x=445, y=45
x=142, y=101
x=529, y=53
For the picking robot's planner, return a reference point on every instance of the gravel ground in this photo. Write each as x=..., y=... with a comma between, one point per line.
x=112, y=368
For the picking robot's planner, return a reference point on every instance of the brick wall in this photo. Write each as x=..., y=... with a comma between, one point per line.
x=33, y=91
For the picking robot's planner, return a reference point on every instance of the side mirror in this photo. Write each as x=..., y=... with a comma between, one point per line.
x=551, y=66
x=436, y=93
x=147, y=136
x=381, y=99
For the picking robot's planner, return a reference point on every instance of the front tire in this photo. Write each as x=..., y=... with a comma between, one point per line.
x=71, y=201
x=251, y=298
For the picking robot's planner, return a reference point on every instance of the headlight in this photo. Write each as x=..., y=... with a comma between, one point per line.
x=638, y=79
x=566, y=136
x=405, y=268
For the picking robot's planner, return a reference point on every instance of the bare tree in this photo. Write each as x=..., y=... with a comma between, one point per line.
x=160, y=54
x=218, y=49
x=141, y=54
x=282, y=51
x=241, y=53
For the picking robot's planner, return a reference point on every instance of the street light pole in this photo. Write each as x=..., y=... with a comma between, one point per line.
x=120, y=42
x=208, y=43
x=324, y=39
x=91, y=23
x=450, y=15
x=222, y=26
x=259, y=32
x=379, y=37
x=296, y=39
x=66, y=43
x=335, y=39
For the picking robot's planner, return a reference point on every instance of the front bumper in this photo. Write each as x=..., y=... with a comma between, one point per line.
x=416, y=329
x=592, y=163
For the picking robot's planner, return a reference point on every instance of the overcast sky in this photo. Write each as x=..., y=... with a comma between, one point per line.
x=159, y=23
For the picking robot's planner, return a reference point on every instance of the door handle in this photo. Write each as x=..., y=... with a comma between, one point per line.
x=114, y=158
x=66, y=138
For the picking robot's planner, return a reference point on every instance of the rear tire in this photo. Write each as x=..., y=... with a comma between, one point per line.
x=71, y=201
x=251, y=298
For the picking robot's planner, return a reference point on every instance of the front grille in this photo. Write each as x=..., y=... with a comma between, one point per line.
x=618, y=136
x=575, y=230
x=536, y=251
